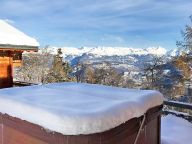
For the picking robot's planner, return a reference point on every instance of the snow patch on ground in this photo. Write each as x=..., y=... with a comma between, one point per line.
x=175, y=130
x=77, y=108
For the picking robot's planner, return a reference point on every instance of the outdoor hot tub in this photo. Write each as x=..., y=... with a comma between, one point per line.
x=79, y=113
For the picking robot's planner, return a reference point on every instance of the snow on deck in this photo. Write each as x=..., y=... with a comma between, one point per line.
x=175, y=130
x=77, y=108
x=12, y=36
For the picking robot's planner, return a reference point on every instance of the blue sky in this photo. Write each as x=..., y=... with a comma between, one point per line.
x=130, y=23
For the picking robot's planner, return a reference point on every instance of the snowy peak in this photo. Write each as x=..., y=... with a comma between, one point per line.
x=111, y=51
x=156, y=50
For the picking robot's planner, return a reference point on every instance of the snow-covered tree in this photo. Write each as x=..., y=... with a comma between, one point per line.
x=35, y=66
x=43, y=67
x=186, y=43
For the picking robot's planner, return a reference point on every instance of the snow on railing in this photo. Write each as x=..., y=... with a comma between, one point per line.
x=179, y=109
x=178, y=104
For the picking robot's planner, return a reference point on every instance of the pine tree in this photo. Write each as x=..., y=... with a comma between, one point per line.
x=60, y=70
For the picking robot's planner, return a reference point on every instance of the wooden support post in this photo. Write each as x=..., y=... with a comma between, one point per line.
x=6, y=69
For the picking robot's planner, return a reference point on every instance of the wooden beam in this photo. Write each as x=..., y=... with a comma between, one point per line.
x=17, y=50
x=19, y=47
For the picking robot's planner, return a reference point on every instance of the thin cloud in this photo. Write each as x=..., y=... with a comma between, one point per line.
x=93, y=19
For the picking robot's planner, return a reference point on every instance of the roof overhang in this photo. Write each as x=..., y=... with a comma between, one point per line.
x=18, y=47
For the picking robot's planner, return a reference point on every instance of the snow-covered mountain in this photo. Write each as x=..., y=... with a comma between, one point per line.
x=121, y=58
x=110, y=51
x=129, y=61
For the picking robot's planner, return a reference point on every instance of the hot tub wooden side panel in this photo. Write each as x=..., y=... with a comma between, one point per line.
x=153, y=126
x=152, y=132
x=13, y=136
x=1, y=133
x=16, y=131
x=14, y=128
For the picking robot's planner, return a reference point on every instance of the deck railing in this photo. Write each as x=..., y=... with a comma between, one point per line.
x=21, y=84
x=179, y=109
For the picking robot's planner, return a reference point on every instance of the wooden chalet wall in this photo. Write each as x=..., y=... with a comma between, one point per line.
x=11, y=56
x=6, y=66
x=17, y=58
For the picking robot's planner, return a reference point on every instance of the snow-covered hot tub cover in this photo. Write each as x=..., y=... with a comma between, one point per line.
x=77, y=108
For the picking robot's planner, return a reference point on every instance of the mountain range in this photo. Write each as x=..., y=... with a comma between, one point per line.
x=114, y=51
x=129, y=61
